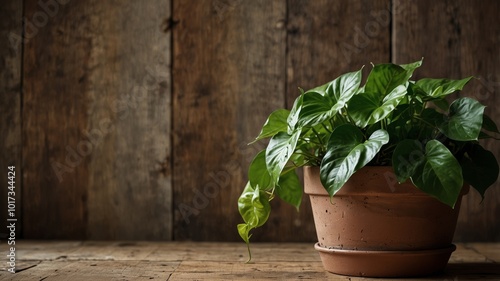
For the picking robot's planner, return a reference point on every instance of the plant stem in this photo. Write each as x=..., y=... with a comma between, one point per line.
x=318, y=136
x=325, y=127
x=424, y=121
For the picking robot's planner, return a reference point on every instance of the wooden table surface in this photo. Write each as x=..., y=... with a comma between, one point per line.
x=73, y=260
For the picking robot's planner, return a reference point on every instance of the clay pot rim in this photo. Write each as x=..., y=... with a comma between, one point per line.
x=406, y=189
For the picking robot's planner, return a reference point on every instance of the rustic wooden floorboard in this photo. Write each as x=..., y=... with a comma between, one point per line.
x=100, y=260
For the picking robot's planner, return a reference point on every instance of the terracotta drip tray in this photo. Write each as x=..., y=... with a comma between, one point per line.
x=384, y=263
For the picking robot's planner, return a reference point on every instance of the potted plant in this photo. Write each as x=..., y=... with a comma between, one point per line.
x=385, y=165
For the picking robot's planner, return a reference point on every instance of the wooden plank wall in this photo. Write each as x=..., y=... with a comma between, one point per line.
x=96, y=121
x=134, y=116
x=458, y=39
x=11, y=28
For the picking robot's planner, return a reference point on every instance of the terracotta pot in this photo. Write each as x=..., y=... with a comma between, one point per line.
x=376, y=227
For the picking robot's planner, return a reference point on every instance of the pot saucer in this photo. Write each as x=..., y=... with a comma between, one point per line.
x=384, y=263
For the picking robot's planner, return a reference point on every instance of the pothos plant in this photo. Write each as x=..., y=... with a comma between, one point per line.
x=343, y=126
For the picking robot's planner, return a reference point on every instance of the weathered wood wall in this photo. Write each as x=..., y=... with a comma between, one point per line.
x=10, y=106
x=458, y=39
x=129, y=119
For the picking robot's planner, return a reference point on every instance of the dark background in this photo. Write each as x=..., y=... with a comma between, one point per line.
x=128, y=120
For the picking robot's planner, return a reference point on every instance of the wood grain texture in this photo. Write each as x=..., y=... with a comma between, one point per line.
x=98, y=260
x=458, y=39
x=54, y=113
x=329, y=38
x=129, y=195
x=97, y=122
x=229, y=74
x=10, y=104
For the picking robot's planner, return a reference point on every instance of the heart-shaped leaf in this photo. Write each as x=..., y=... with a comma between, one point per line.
x=437, y=88
x=275, y=123
x=278, y=152
x=464, y=121
x=489, y=124
x=367, y=108
x=348, y=152
x=289, y=189
x=322, y=103
x=253, y=205
x=440, y=174
x=258, y=174
x=316, y=109
x=480, y=168
x=410, y=67
x=406, y=158
x=254, y=208
x=385, y=88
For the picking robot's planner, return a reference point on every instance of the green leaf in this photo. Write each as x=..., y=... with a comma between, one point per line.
x=464, y=120
x=275, y=123
x=440, y=174
x=347, y=153
x=289, y=189
x=258, y=175
x=441, y=87
x=441, y=104
x=406, y=158
x=432, y=116
x=385, y=88
x=320, y=89
x=410, y=68
x=316, y=109
x=345, y=86
x=489, y=124
x=293, y=117
x=278, y=152
x=254, y=208
x=480, y=168
x=384, y=78
x=323, y=102
x=366, y=109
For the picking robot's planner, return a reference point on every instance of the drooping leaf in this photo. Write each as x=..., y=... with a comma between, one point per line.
x=275, y=123
x=480, y=168
x=278, y=152
x=440, y=174
x=253, y=205
x=254, y=208
x=465, y=120
x=437, y=88
x=348, y=152
x=289, y=189
x=406, y=158
x=323, y=103
x=258, y=174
